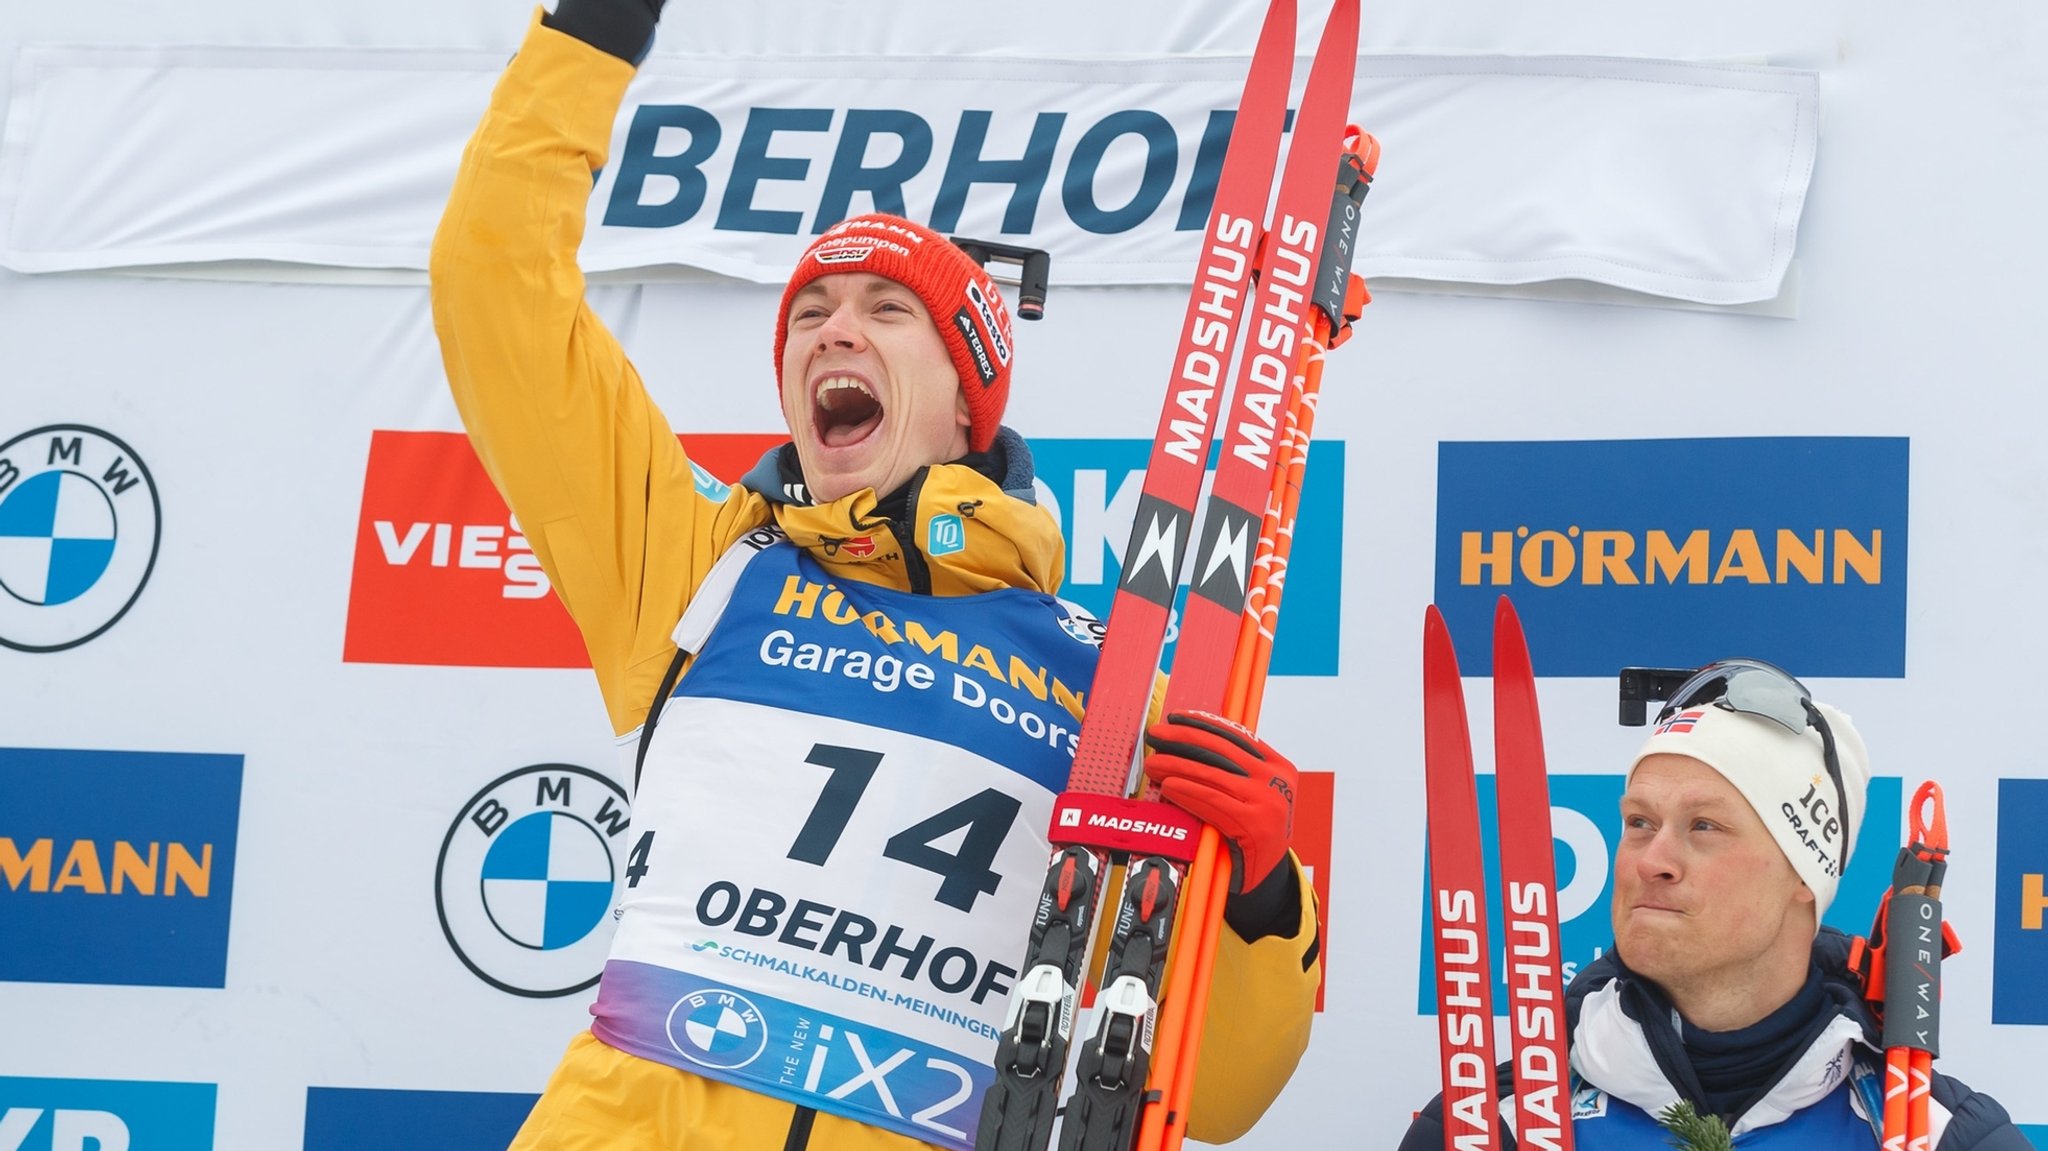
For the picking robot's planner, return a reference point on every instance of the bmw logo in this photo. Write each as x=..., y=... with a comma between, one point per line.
x=79, y=527
x=527, y=878
x=721, y=1029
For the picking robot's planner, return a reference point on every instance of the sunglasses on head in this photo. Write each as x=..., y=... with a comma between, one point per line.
x=1750, y=686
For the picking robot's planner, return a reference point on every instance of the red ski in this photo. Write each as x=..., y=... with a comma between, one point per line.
x=1031, y=1058
x=1457, y=900
x=1528, y=875
x=1094, y=816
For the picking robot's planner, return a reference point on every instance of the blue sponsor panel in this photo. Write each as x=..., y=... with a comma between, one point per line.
x=1093, y=486
x=350, y=1119
x=1585, y=815
x=99, y=1115
x=2019, y=988
x=117, y=866
x=2036, y=1133
x=1677, y=552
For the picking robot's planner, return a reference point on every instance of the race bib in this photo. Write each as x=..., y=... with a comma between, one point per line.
x=839, y=841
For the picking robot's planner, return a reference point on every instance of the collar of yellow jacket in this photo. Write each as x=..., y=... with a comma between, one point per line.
x=963, y=534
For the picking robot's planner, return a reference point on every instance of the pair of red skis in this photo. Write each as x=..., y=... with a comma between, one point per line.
x=1457, y=899
x=1267, y=299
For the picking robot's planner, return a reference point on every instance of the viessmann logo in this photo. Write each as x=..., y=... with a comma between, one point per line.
x=1092, y=487
x=1675, y=552
x=117, y=866
x=445, y=576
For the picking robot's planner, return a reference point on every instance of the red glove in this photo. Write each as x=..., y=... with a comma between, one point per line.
x=1228, y=778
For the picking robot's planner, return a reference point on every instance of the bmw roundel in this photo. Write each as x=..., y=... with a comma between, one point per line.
x=715, y=1028
x=527, y=876
x=79, y=526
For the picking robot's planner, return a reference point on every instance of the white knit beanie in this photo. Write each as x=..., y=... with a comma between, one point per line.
x=1784, y=776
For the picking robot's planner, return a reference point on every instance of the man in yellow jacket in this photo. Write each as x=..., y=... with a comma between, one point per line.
x=867, y=694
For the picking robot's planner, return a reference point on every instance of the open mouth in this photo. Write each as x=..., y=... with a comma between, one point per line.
x=844, y=411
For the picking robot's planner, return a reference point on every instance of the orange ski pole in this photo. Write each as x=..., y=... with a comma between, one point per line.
x=1909, y=981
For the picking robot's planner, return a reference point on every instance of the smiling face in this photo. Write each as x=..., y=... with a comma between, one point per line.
x=868, y=388
x=1705, y=903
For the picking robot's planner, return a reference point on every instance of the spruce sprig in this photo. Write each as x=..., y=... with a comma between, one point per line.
x=1693, y=1131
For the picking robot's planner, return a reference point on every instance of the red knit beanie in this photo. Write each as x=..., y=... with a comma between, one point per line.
x=958, y=293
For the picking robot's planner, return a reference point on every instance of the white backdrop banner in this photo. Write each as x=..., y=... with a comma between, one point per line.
x=291, y=668
x=1677, y=180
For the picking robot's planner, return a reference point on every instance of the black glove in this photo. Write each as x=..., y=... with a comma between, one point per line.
x=622, y=28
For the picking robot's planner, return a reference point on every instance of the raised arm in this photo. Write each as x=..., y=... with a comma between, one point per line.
x=556, y=413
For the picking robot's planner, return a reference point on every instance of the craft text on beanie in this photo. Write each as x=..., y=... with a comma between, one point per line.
x=962, y=299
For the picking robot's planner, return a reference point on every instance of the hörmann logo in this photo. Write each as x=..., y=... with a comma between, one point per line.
x=79, y=527
x=443, y=573
x=117, y=866
x=1586, y=823
x=2019, y=992
x=1092, y=488
x=1675, y=552
x=105, y=1115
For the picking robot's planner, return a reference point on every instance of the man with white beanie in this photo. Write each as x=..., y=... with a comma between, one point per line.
x=1741, y=811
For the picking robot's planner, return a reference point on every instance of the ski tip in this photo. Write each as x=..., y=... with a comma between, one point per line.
x=1344, y=21
x=1510, y=645
x=1504, y=613
x=1437, y=648
x=1276, y=32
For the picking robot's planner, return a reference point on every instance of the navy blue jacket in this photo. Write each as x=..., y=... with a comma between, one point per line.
x=1819, y=1099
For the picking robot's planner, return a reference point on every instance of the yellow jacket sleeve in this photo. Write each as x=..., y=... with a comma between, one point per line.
x=1262, y=996
x=558, y=416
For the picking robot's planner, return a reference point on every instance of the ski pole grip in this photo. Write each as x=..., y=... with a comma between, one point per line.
x=1340, y=238
x=1912, y=974
x=1034, y=266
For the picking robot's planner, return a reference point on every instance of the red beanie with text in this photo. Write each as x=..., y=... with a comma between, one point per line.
x=956, y=290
